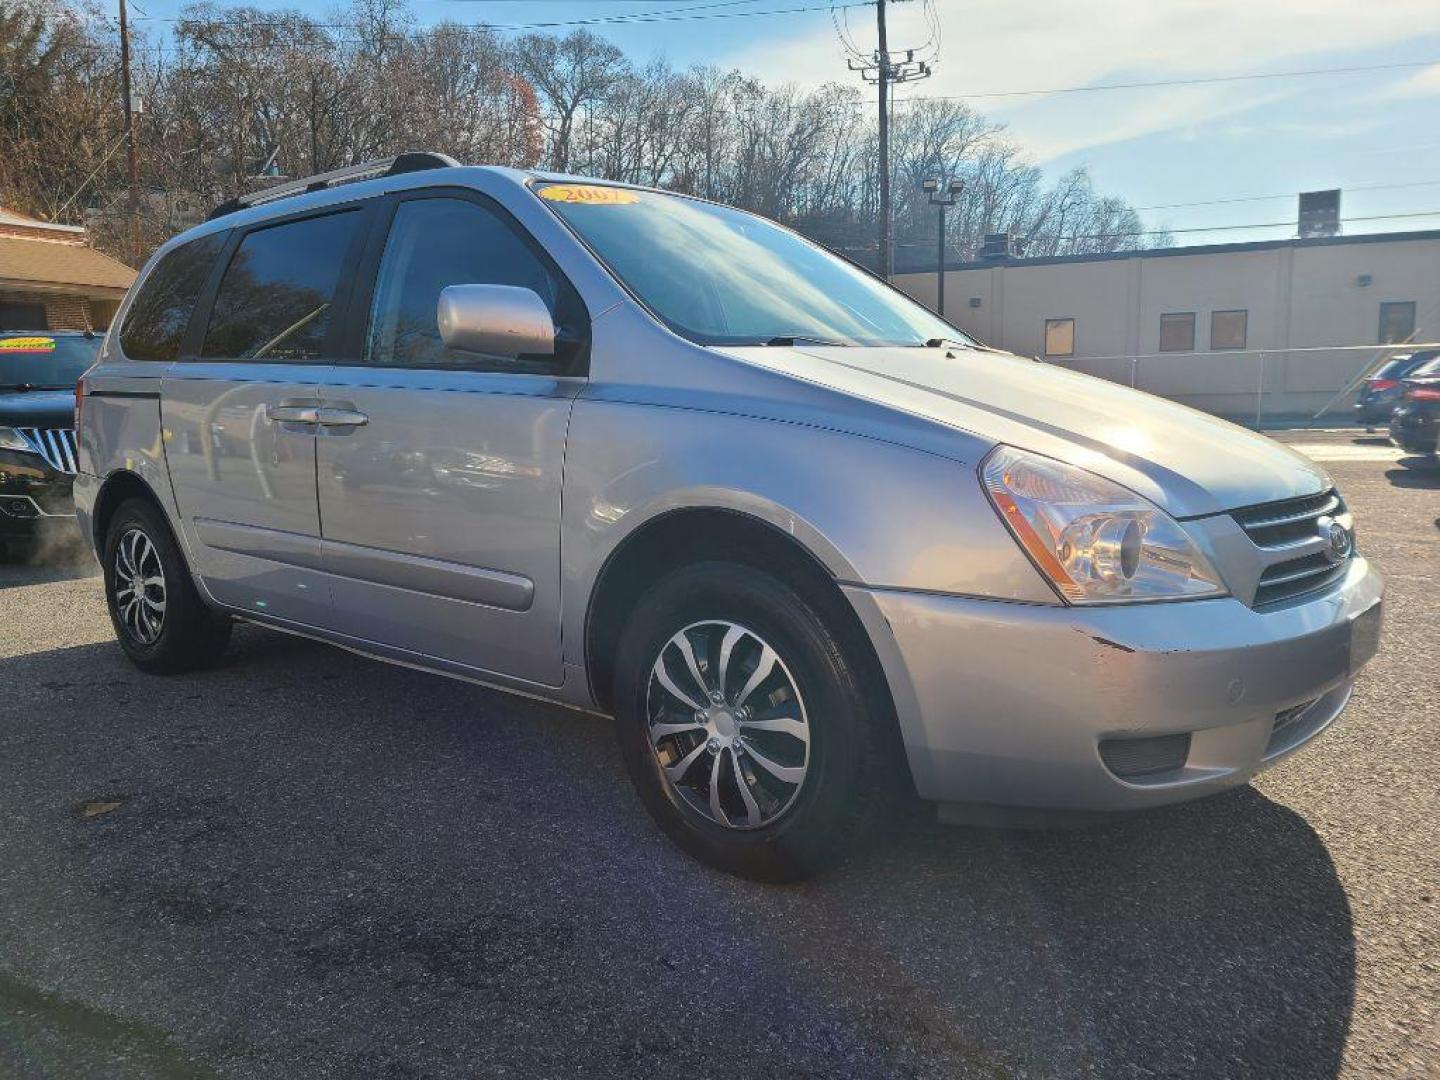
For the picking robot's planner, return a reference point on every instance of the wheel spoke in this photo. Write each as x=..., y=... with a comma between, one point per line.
x=682, y=642
x=752, y=810
x=122, y=556
x=727, y=646
x=681, y=767
x=784, y=724
x=663, y=677
x=790, y=774
x=716, y=809
x=659, y=731
x=759, y=675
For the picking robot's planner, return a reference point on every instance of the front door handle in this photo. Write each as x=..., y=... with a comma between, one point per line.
x=292, y=414
x=329, y=417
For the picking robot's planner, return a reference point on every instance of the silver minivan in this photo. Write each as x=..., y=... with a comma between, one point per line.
x=649, y=456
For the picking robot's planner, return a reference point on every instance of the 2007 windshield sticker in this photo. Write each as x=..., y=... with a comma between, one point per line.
x=26, y=346
x=590, y=194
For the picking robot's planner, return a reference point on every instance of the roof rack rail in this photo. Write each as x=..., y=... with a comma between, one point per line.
x=414, y=161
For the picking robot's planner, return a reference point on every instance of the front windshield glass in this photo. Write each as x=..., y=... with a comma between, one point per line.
x=723, y=277
x=42, y=361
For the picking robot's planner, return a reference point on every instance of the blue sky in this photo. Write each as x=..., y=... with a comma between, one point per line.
x=1375, y=134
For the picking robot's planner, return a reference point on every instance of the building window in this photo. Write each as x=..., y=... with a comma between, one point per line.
x=1228, y=329
x=1059, y=337
x=1177, y=332
x=1397, y=321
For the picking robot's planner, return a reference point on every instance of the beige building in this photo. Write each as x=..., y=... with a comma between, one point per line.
x=1234, y=329
x=50, y=279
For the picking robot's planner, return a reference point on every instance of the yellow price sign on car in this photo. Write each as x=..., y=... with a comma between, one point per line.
x=27, y=345
x=591, y=194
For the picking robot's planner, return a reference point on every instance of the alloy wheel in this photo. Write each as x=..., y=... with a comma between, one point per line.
x=139, y=587
x=727, y=724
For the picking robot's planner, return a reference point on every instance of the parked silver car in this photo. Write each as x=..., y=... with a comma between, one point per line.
x=649, y=456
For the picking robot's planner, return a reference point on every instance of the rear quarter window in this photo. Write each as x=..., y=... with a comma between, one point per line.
x=275, y=300
x=156, y=322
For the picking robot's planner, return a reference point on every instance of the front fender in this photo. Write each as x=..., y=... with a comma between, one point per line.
x=874, y=513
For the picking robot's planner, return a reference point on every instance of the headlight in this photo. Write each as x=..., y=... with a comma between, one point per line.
x=1096, y=541
x=10, y=439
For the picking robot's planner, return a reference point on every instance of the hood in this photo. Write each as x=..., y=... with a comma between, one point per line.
x=1187, y=462
x=38, y=408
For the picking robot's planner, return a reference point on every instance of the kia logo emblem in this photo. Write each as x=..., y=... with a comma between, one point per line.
x=1338, y=541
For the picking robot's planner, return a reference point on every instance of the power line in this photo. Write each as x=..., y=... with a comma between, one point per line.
x=594, y=20
x=1176, y=82
x=1227, y=228
x=1286, y=195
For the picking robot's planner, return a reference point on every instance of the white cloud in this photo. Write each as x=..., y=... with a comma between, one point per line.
x=994, y=45
x=1424, y=83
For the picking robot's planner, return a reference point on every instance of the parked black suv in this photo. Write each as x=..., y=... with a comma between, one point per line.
x=1415, y=423
x=1380, y=393
x=38, y=372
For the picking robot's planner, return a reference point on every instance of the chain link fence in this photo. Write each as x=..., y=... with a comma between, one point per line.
x=1260, y=388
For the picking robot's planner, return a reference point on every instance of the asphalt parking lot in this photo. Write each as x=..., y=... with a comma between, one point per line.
x=305, y=863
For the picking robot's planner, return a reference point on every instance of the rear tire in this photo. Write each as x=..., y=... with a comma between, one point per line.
x=778, y=772
x=159, y=617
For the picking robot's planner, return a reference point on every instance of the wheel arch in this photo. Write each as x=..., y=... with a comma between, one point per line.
x=120, y=485
x=682, y=536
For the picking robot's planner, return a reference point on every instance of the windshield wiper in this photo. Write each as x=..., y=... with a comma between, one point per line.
x=26, y=387
x=788, y=341
x=948, y=343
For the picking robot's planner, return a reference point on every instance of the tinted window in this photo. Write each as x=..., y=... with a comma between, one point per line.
x=1397, y=321
x=274, y=302
x=435, y=243
x=1059, y=337
x=157, y=319
x=1177, y=332
x=1228, y=329
x=43, y=360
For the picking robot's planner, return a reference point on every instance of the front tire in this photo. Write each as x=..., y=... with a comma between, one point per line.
x=744, y=723
x=161, y=622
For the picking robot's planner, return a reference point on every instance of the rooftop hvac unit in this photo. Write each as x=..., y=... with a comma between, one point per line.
x=1319, y=213
x=996, y=246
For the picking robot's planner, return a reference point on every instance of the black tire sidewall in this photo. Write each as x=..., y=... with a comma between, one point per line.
x=189, y=629
x=813, y=831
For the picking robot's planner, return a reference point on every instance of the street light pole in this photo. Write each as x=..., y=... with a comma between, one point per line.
x=952, y=191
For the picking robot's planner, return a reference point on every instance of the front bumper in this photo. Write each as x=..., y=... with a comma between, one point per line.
x=35, y=500
x=1005, y=704
x=1374, y=413
x=1414, y=429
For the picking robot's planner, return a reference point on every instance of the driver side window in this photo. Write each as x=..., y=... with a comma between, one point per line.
x=435, y=243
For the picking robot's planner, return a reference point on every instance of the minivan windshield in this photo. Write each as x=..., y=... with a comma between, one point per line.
x=44, y=361
x=724, y=277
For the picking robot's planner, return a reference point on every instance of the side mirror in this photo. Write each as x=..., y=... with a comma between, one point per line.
x=497, y=320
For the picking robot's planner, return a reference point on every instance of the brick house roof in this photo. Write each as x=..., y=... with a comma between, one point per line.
x=51, y=257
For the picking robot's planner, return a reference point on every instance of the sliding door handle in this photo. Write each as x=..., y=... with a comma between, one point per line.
x=292, y=414
x=327, y=417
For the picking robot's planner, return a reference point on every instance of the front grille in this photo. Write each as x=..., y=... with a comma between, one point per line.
x=55, y=445
x=1274, y=525
x=1132, y=759
x=1277, y=527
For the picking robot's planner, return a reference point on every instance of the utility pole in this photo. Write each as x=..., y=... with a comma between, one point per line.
x=134, y=168
x=882, y=80
x=885, y=71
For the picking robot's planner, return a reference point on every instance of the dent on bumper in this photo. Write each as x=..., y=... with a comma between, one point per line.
x=1006, y=704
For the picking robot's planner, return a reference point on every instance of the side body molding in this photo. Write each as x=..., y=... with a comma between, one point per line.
x=436, y=577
